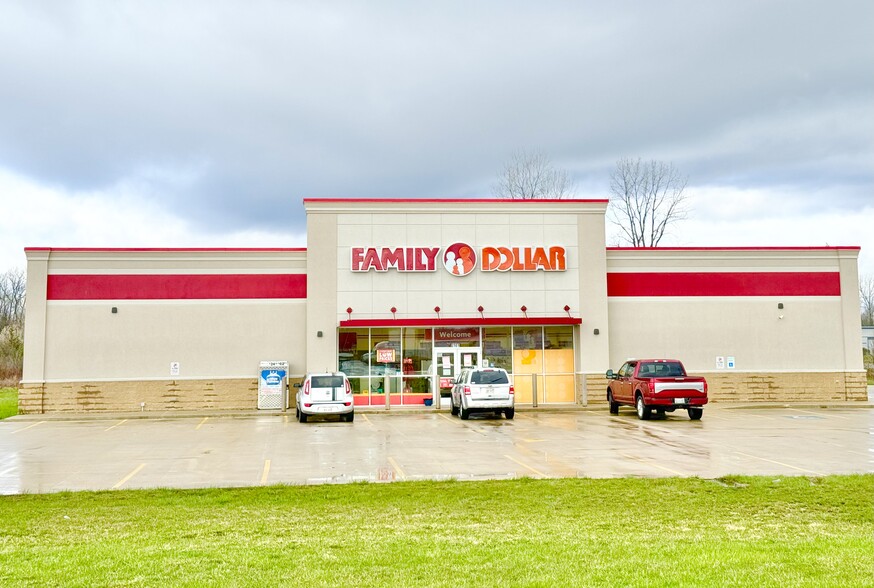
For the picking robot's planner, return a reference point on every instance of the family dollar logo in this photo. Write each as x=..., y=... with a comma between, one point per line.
x=459, y=259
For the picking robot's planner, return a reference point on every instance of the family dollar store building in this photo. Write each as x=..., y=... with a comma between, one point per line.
x=402, y=294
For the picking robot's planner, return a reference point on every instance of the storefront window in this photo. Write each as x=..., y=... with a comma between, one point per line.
x=384, y=359
x=353, y=348
x=497, y=347
x=417, y=352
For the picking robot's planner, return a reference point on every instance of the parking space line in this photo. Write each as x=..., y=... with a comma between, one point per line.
x=653, y=464
x=7, y=470
x=266, y=471
x=124, y=480
x=26, y=428
x=397, y=468
x=820, y=414
x=367, y=420
x=786, y=465
x=118, y=424
x=201, y=423
x=440, y=414
x=526, y=466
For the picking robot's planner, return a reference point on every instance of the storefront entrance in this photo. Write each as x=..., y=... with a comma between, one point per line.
x=448, y=362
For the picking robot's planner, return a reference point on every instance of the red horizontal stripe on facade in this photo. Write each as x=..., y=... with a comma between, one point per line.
x=724, y=284
x=176, y=287
x=462, y=322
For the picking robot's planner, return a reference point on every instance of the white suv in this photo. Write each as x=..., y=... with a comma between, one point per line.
x=324, y=394
x=483, y=390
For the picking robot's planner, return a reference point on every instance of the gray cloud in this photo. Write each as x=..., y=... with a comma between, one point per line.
x=231, y=112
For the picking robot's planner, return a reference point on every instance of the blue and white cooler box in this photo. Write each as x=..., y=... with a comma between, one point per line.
x=272, y=384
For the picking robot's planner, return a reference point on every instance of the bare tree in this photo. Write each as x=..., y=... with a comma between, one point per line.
x=530, y=175
x=645, y=199
x=12, y=292
x=13, y=287
x=866, y=298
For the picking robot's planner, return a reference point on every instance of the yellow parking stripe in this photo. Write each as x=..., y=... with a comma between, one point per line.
x=785, y=465
x=27, y=427
x=201, y=423
x=129, y=476
x=265, y=472
x=116, y=425
x=526, y=466
x=398, y=470
x=653, y=464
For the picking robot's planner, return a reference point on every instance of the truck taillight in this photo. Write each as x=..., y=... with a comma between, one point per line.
x=467, y=390
x=306, y=387
x=512, y=389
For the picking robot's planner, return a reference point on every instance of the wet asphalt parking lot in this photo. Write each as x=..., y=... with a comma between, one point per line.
x=41, y=454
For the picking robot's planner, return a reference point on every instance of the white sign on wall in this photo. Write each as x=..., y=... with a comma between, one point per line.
x=174, y=368
x=720, y=362
x=730, y=362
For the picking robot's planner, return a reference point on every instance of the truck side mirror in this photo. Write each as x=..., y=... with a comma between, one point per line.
x=611, y=375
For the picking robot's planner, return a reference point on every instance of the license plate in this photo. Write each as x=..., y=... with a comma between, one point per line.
x=681, y=400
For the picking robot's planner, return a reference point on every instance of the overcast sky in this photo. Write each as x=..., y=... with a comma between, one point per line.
x=205, y=123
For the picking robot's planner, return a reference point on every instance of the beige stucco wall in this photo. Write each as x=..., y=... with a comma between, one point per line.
x=84, y=341
x=815, y=333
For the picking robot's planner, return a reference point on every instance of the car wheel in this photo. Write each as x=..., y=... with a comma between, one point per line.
x=642, y=409
x=510, y=413
x=614, y=406
x=303, y=417
x=695, y=413
x=465, y=413
x=350, y=417
x=453, y=410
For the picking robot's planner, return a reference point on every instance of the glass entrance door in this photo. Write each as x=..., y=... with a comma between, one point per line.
x=448, y=363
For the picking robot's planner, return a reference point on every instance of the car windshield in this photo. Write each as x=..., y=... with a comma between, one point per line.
x=327, y=381
x=489, y=378
x=662, y=369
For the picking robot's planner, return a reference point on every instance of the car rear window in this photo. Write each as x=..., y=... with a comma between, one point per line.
x=661, y=369
x=327, y=382
x=489, y=378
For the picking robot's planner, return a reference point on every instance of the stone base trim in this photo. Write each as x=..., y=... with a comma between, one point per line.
x=765, y=387
x=144, y=395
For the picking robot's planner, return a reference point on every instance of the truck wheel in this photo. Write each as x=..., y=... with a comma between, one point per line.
x=614, y=406
x=453, y=410
x=642, y=409
x=465, y=413
x=695, y=413
x=510, y=413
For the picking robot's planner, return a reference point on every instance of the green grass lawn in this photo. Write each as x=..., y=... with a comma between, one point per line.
x=8, y=402
x=744, y=531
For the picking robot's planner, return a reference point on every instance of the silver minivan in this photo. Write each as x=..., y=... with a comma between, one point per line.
x=328, y=393
x=483, y=389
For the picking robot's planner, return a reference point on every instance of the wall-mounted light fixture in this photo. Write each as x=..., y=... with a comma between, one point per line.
x=567, y=309
x=480, y=309
x=524, y=310
x=318, y=333
x=393, y=311
x=349, y=312
x=114, y=310
x=437, y=310
x=780, y=305
x=596, y=332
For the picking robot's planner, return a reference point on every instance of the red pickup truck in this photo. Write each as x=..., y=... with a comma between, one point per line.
x=660, y=384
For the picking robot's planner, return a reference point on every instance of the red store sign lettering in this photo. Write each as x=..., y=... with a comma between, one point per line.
x=490, y=259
